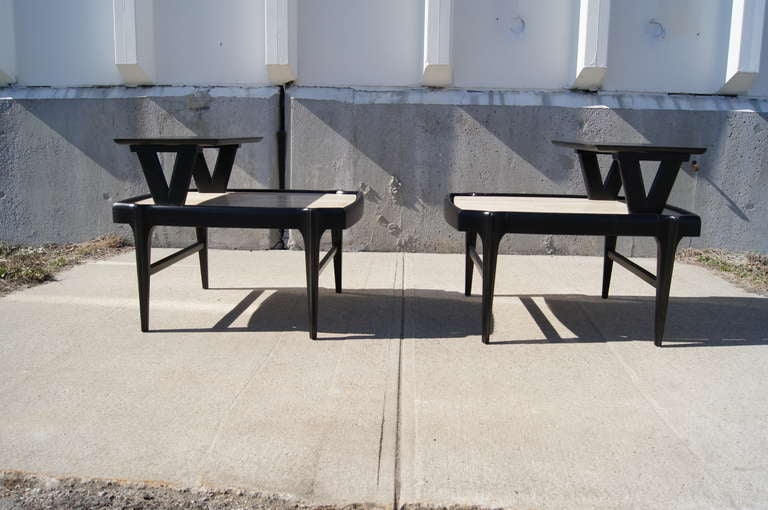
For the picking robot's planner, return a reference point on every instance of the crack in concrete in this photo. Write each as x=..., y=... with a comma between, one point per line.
x=658, y=410
x=381, y=439
x=398, y=413
x=220, y=425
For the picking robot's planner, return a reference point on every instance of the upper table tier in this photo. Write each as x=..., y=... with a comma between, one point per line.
x=199, y=141
x=189, y=163
x=626, y=171
x=612, y=148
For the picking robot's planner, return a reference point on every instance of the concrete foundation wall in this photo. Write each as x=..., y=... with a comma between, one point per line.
x=408, y=149
x=60, y=171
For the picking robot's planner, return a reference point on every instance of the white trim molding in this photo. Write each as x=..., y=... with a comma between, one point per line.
x=280, y=42
x=744, y=46
x=592, y=53
x=7, y=44
x=134, y=40
x=438, y=16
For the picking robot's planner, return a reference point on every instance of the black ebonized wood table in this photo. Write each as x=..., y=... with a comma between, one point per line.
x=600, y=213
x=311, y=212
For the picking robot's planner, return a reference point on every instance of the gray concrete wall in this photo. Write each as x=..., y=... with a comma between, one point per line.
x=60, y=171
x=408, y=149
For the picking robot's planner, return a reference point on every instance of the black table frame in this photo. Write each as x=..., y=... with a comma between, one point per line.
x=648, y=216
x=169, y=209
x=311, y=223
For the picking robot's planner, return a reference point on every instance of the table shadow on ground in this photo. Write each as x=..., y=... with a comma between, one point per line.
x=434, y=314
x=691, y=321
x=351, y=315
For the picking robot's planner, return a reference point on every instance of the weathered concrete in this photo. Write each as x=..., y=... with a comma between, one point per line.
x=408, y=149
x=227, y=390
x=398, y=401
x=567, y=409
x=60, y=171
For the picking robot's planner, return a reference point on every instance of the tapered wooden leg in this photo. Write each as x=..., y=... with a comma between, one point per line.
x=490, y=242
x=202, y=237
x=469, y=265
x=142, y=240
x=610, y=245
x=336, y=238
x=666, y=246
x=311, y=233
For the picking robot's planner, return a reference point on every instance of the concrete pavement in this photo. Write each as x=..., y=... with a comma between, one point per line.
x=398, y=402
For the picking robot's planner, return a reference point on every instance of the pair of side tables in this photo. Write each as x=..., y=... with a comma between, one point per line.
x=488, y=216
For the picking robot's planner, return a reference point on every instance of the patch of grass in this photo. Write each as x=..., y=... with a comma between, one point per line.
x=748, y=269
x=22, y=266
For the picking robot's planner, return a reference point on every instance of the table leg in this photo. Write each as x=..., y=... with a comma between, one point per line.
x=490, y=242
x=202, y=237
x=336, y=237
x=142, y=240
x=469, y=265
x=610, y=245
x=666, y=246
x=311, y=234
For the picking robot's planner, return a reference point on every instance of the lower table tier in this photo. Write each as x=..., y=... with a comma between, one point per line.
x=490, y=216
x=312, y=212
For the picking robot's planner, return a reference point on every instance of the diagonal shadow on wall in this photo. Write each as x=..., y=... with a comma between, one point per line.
x=698, y=128
x=411, y=142
x=517, y=142
x=90, y=125
x=87, y=125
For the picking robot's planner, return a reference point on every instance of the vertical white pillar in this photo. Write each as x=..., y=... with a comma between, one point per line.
x=280, y=44
x=592, y=53
x=7, y=44
x=437, y=43
x=744, y=45
x=134, y=31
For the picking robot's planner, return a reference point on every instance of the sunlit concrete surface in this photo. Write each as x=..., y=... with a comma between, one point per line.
x=398, y=401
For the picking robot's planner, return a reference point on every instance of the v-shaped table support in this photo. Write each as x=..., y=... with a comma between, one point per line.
x=625, y=172
x=189, y=163
x=162, y=192
x=597, y=189
x=216, y=182
x=638, y=201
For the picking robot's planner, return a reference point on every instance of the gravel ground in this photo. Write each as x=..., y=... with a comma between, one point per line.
x=28, y=491
x=25, y=266
x=748, y=270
